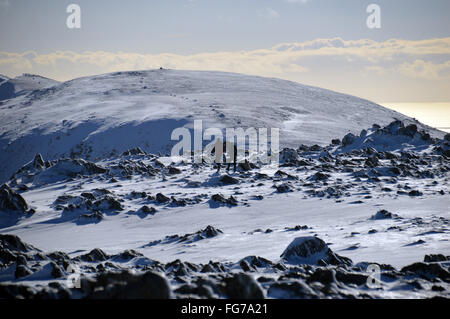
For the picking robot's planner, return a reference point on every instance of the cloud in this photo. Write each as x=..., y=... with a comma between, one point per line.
x=323, y=62
x=4, y=4
x=426, y=70
x=268, y=13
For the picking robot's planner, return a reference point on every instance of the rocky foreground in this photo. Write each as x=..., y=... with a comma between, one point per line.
x=307, y=269
x=395, y=161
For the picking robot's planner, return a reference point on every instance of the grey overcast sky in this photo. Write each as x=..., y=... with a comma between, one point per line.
x=319, y=42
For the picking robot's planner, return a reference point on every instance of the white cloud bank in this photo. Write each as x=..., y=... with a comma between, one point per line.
x=322, y=62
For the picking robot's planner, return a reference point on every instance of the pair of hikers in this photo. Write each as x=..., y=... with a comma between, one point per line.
x=224, y=151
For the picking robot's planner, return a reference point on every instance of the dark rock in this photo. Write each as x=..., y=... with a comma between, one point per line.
x=95, y=217
x=257, y=262
x=95, y=255
x=351, y=277
x=228, y=180
x=323, y=275
x=372, y=161
x=245, y=166
x=91, y=167
x=89, y=196
x=127, y=255
x=336, y=141
x=56, y=271
x=447, y=137
x=428, y=270
x=383, y=214
x=22, y=271
x=291, y=290
x=311, y=250
x=409, y=131
x=173, y=171
x=148, y=210
x=217, y=198
x=134, y=151
x=243, y=286
x=11, y=201
x=160, y=198
x=435, y=258
x=415, y=193
x=125, y=285
x=210, y=232
x=14, y=243
x=108, y=202
x=283, y=188
x=38, y=162
x=348, y=139
x=319, y=177
x=178, y=202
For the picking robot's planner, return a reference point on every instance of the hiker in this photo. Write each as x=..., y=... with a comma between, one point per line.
x=224, y=155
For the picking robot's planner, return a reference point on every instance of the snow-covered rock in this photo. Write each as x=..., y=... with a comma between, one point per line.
x=396, y=136
x=312, y=250
x=39, y=172
x=11, y=201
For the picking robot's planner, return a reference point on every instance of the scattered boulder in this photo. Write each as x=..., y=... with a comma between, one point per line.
x=173, y=171
x=38, y=162
x=319, y=176
x=336, y=141
x=15, y=244
x=243, y=286
x=228, y=180
x=94, y=217
x=160, y=198
x=134, y=151
x=11, y=201
x=125, y=285
x=22, y=271
x=435, y=258
x=283, y=188
x=95, y=255
x=348, y=139
x=447, y=137
x=311, y=250
x=384, y=214
x=148, y=210
x=291, y=290
x=219, y=199
x=429, y=270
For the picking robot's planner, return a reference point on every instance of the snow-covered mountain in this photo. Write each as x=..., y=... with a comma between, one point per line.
x=97, y=214
x=94, y=117
x=22, y=85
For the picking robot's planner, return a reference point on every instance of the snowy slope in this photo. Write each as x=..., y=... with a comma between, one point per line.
x=94, y=117
x=363, y=198
x=10, y=88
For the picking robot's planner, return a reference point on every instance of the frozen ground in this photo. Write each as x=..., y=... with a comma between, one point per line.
x=134, y=224
x=386, y=206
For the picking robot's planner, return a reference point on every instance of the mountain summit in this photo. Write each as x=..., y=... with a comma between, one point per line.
x=94, y=117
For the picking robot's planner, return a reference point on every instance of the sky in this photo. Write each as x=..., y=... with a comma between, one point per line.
x=324, y=43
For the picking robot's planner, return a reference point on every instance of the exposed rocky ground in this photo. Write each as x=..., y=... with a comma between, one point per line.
x=307, y=269
x=380, y=164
